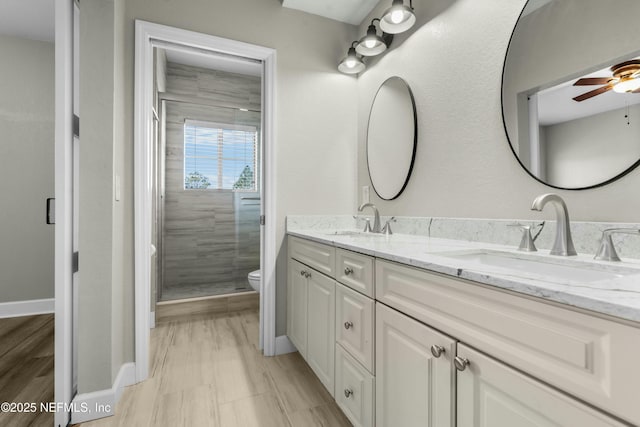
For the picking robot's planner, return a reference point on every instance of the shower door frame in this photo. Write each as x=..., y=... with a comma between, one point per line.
x=147, y=34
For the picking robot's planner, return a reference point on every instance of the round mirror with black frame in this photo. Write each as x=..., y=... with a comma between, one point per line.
x=571, y=91
x=392, y=136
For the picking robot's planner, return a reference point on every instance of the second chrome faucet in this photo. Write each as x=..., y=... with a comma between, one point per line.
x=376, y=216
x=563, y=244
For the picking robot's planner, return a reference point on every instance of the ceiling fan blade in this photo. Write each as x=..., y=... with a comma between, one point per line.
x=593, y=93
x=589, y=81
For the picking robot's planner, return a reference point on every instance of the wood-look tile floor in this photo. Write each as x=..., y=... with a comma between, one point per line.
x=26, y=368
x=207, y=371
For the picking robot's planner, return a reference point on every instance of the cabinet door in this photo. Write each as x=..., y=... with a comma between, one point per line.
x=413, y=387
x=490, y=394
x=297, y=306
x=354, y=324
x=321, y=327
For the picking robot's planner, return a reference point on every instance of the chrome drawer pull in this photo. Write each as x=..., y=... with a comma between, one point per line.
x=348, y=325
x=461, y=363
x=347, y=393
x=437, y=350
x=348, y=270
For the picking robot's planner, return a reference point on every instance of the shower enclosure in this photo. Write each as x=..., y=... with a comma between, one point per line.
x=208, y=169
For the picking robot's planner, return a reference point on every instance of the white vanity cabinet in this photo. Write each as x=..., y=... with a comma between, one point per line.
x=403, y=346
x=415, y=378
x=311, y=306
x=587, y=357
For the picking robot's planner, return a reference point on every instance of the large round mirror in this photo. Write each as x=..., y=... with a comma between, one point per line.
x=571, y=91
x=391, y=138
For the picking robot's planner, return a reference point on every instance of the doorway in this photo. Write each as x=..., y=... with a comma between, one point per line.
x=148, y=37
x=207, y=197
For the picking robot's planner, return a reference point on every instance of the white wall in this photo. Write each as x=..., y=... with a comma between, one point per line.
x=592, y=149
x=464, y=166
x=26, y=168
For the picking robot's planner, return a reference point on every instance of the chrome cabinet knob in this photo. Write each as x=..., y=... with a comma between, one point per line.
x=307, y=275
x=348, y=325
x=461, y=363
x=348, y=271
x=437, y=350
x=347, y=393
x=302, y=273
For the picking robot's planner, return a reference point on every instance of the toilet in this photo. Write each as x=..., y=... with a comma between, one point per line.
x=254, y=280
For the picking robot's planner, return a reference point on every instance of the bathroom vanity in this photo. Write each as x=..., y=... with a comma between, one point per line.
x=409, y=330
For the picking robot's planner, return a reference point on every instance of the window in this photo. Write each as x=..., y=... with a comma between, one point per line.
x=219, y=156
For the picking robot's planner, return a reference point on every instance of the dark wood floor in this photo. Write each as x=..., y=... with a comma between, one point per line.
x=26, y=368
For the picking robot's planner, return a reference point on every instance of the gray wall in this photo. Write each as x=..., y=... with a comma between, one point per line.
x=96, y=196
x=464, y=166
x=312, y=157
x=105, y=301
x=592, y=149
x=210, y=236
x=26, y=168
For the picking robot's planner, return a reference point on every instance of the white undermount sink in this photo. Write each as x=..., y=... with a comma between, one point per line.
x=353, y=233
x=565, y=269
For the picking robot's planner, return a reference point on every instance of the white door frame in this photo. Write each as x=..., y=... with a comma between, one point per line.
x=63, y=372
x=146, y=34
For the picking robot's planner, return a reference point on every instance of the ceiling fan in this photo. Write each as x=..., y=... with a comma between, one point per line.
x=626, y=78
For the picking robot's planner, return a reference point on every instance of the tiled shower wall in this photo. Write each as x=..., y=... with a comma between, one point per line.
x=211, y=238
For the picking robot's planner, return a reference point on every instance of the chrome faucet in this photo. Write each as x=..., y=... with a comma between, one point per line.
x=607, y=251
x=376, y=216
x=563, y=244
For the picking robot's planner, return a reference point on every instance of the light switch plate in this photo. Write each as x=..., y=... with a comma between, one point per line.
x=365, y=194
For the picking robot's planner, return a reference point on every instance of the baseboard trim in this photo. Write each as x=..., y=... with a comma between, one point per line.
x=284, y=346
x=27, y=308
x=102, y=403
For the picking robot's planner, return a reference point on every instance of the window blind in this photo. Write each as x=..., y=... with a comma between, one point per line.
x=219, y=156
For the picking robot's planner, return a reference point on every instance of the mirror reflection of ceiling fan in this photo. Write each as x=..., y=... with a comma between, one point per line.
x=626, y=78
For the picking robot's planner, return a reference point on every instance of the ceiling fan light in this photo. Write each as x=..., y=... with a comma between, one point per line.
x=628, y=85
x=371, y=44
x=398, y=18
x=351, y=64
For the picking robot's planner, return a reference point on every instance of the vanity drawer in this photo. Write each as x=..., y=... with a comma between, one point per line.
x=355, y=324
x=315, y=255
x=590, y=357
x=355, y=270
x=354, y=389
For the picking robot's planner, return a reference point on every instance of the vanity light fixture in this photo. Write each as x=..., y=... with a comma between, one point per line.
x=398, y=18
x=352, y=63
x=372, y=44
x=627, y=85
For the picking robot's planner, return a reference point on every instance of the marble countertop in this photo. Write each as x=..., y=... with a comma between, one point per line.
x=615, y=293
